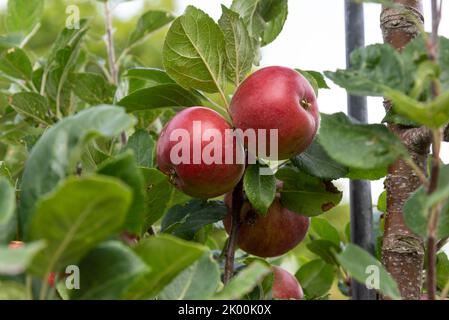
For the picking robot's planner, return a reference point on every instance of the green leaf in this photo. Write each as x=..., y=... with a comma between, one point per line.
x=426, y=72
x=316, y=162
x=198, y=282
x=382, y=202
x=15, y=63
x=160, y=96
x=260, y=189
x=325, y=249
x=373, y=69
x=307, y=195
x=392, y=117
x=265, y=19
x=92, y=88
x=16, y=261
x=433, y=114
x=61, y=62
x=75, y=218
x=318, y=77
x=420, y=70
x=124, y=167
x=10, y=290
x=7, y=201
x=371, y=174
x=244, y=282
x=151, y=76
x=161, y=195
x=416, y=212
x=351, y=144
x=67, y=39
x=143, y=145
x=167, y=257
x=357, y=262
x=418, y=206
x=444, y=63
x=10, y=40
x=185, y=220
x=8, y=220
x=239, y=49
x=107, y=271
x=32, y=105
x=4, y=103
x=316, y=278
x=149, y=22
x=57, y=152
x=274, y=14
x=194, y=52
x=442, y=270
x=5, y=172
x=23, y=15
x=324, y=230
x=316, y=80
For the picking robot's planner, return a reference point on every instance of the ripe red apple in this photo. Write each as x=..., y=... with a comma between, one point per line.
x=16, y=244
x=196, y=176
x=272, y=235
x=285, y=285
x=278, y=98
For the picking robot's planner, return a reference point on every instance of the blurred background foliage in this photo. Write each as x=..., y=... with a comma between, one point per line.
x=148, y=53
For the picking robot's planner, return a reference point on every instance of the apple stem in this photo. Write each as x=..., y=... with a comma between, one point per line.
x=237, y=204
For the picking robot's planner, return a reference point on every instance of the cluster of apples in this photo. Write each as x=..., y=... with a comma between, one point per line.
x=271, y=98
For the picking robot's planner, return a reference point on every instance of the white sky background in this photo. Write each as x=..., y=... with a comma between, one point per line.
x=313, y=39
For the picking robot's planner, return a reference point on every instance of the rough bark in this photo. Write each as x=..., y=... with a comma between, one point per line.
x=403, y=251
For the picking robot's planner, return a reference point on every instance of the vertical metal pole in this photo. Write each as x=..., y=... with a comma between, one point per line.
x=360, y=190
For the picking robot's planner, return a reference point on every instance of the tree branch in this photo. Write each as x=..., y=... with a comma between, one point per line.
x=110, y=43
x=436, y=148
x=237, y=204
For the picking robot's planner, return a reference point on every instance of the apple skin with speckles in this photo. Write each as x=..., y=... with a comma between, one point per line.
x=285, y=285
x=277, y=98
x=200, y=179
x=271, y=235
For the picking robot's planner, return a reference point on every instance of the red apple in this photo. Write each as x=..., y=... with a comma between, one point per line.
x=51, y=279
x=204, y=173
x=278, y=98
x=16, y=244
x=285, y=285
x=272, y=235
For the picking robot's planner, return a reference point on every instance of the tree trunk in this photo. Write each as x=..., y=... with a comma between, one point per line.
x=403, y=251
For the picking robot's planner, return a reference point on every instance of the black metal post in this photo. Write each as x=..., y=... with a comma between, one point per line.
x=360, y=190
